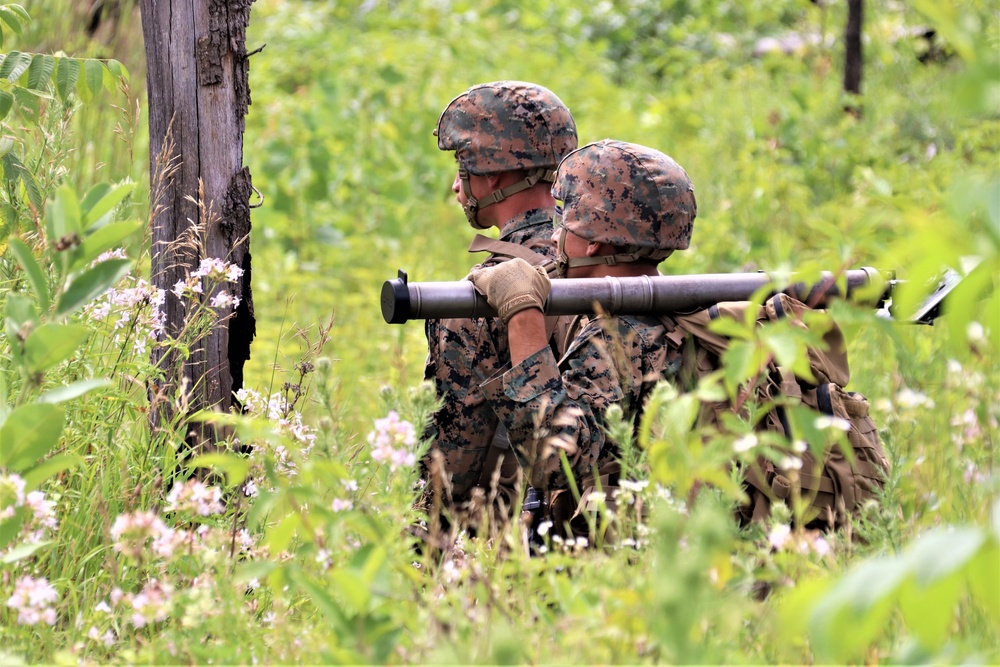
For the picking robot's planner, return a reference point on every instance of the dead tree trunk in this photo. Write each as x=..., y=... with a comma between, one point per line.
x=197, y=76
x=852, y=47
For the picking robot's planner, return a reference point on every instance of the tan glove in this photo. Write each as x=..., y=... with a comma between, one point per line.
x=512, y=286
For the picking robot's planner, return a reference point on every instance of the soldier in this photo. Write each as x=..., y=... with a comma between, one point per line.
x=508, y=137
x=621, y=209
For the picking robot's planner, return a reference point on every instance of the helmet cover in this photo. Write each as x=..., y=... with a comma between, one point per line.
x=626, y=195
x=505, y=126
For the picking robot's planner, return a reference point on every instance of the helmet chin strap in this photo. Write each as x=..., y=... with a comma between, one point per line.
x=564, y=263
x=473, y=205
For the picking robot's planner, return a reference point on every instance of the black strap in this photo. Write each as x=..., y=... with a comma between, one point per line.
x=779, y=310
x=713, y=312
x=823, y=400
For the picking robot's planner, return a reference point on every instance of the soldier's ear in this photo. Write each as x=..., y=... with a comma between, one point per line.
x=594, y=249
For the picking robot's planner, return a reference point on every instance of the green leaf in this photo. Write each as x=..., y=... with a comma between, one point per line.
x=12, y=20
x=28, y=434
x=94, y=195
x=23, y=551
x=49, y=468
x=254, y=570
x=12, y=60
x=71, y=391
x=63, y=215
x=279, y=537
x=929, y=610
x=983, y=576
x=36, y=277
x=105, y=238
x=941, y=552
x=91, y=284
x=117, y=69
x=353, y=587
x=40, y=71
x=10, y=527
x=6, y=102
x=741, y=361
x=28, y=104
x=320, y=598
x=20, y=67
x=95, y=211
x=851, y=616
x=51, y=344
x=20, y=11
x=93, y=72
x=235, y=467
x=67, y=73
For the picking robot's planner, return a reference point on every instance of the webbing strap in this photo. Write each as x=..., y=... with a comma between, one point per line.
x=507, y=249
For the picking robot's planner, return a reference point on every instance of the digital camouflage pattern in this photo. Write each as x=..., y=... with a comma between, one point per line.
x=461, y=354
x=505, y=126
x=550, y=407
x=626, y=195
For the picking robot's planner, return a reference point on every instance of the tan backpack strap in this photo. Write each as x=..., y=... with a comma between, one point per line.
x=507, y=249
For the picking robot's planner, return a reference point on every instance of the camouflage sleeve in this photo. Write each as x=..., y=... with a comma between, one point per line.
x=459, y=353
x=548, y=408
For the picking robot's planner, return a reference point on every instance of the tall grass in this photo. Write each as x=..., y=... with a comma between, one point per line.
x=302, y=550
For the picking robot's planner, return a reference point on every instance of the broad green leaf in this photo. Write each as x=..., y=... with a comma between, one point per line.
x=90, y=284
x=22, y=65
x=10, y=63
x=67, y=73
x=261, y=509
x=51, y=344
x=117, y=69
x=94, y=195
x=928, y=611
x=95, y=211
x=93, y=72
x=71, y=391
x=234, y=466
x=943, y=551
x=21, y=12
x=10, y=527
x=28, y=434
x=36, y=277
x=741, y=361
x=27, y=103
x=50, y=467
x=726, y=326
x=11, y=19
x=106, y=238
x=853, y=613
x=23, y=551
x=353, y=587
x=320, y=598
x=62, y=216
x=983, y=578
x=6, y=102
x=40, y=71
x=279, y=537
x=254, y=570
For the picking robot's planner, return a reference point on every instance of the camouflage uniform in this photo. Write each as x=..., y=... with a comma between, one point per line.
x=461, y=354
x=493, y=128
x=640, y=201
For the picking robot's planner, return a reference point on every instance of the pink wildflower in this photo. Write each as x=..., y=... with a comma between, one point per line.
x=32, y=599
x=194, y=496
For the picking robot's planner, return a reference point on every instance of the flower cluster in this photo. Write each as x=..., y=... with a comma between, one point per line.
x=42, y=519
x=152, y=604
x=137, y=309
x=33, y=599
x=193, y=496
x=289, y=423
x=781, y=538
x=392, y=441
x=216, y=271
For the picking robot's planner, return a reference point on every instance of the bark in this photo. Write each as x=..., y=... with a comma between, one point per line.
x=852, y=47
x=197, y=77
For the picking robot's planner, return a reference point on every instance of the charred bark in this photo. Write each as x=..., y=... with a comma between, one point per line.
x=853, y=59
x=197, y=77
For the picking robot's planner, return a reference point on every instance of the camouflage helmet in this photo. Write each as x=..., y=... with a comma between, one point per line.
x=505, y=126
x=628, y=196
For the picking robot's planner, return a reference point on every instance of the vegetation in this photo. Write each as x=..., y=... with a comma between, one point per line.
x=298, y=551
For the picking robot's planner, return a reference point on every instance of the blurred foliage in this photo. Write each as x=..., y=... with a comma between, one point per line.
x=339, y=143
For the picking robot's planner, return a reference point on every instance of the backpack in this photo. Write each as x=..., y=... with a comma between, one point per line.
x=841, y=481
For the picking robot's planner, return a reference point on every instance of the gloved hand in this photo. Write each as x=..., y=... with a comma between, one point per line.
x=512, y=286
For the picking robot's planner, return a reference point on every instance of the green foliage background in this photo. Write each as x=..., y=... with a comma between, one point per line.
x=338, y=140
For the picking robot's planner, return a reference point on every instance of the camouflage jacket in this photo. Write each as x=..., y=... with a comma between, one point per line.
x=461, y=354
x=548, y=406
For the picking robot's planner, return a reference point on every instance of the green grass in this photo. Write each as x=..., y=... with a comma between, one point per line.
x=339, y=142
